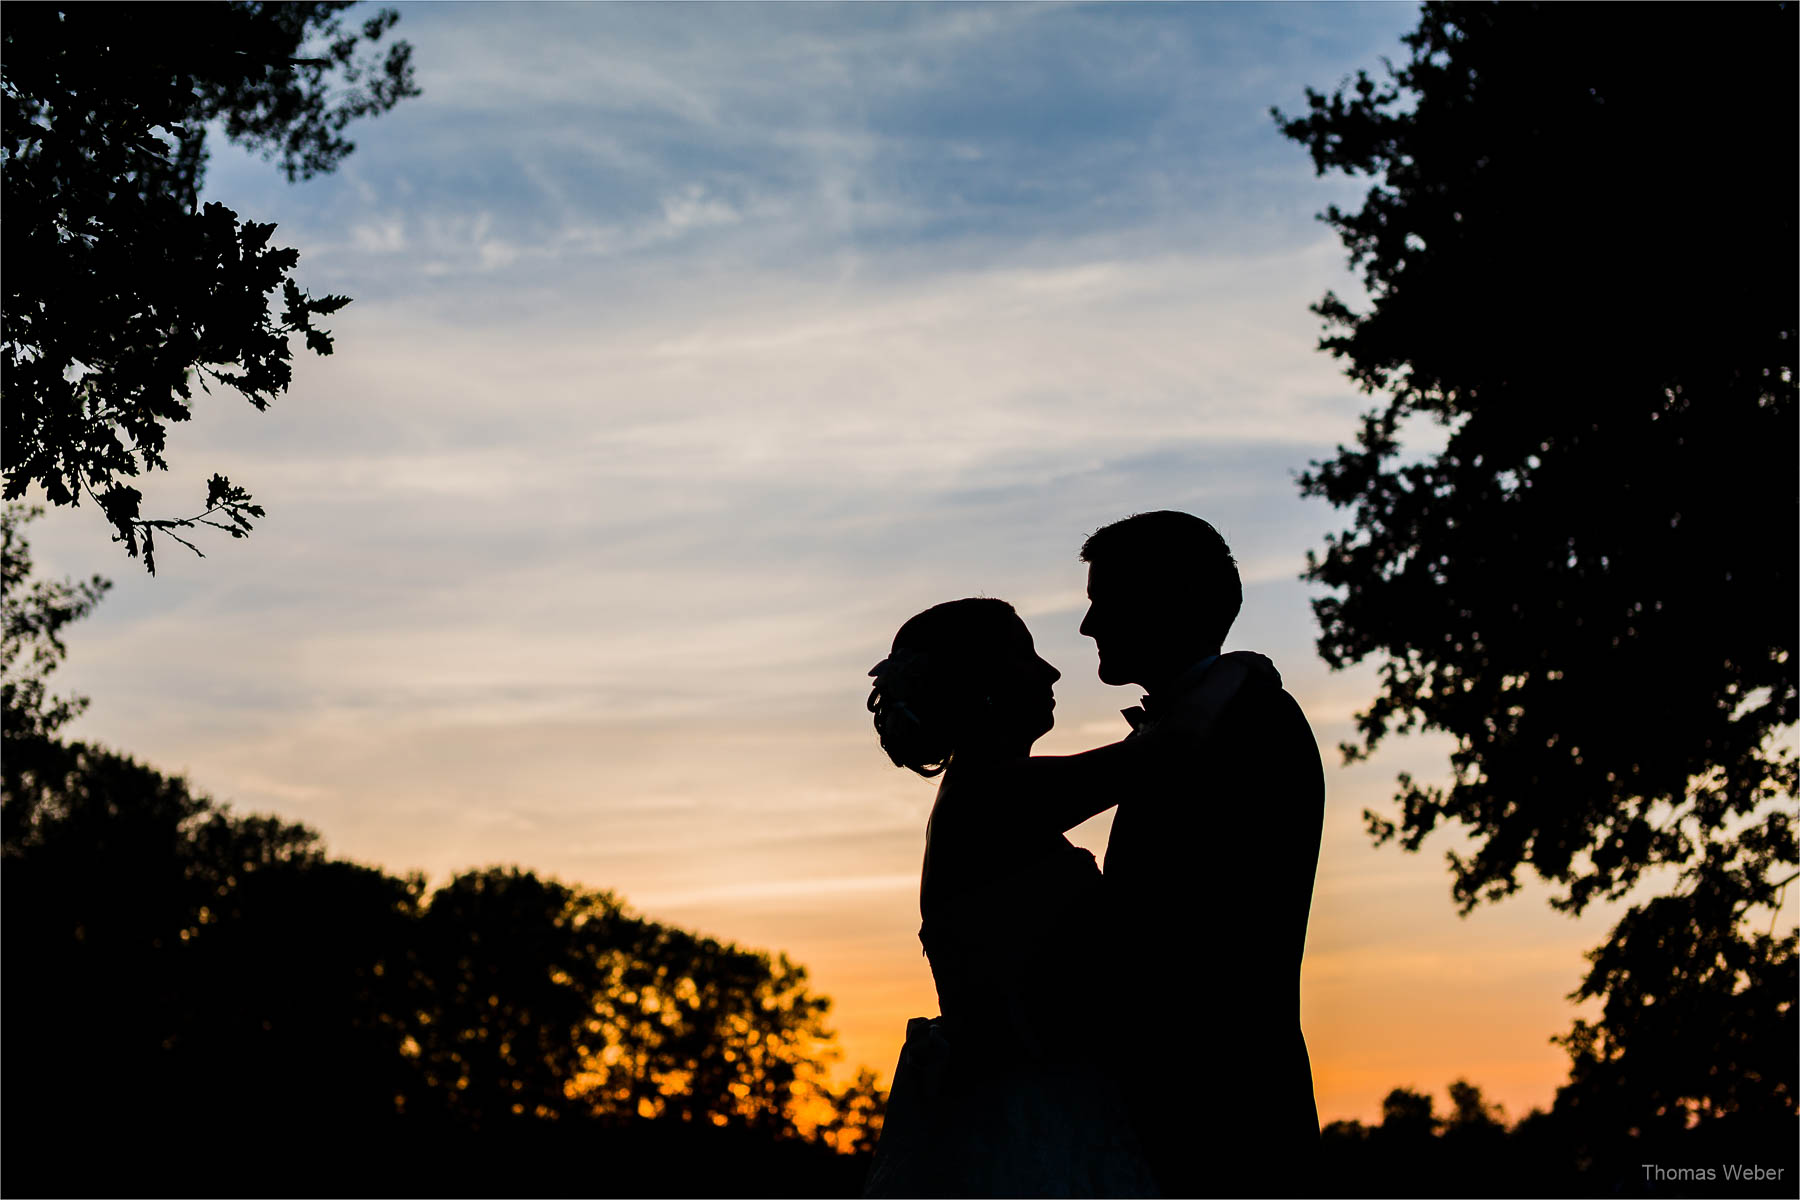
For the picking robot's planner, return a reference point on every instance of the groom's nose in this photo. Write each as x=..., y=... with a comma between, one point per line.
x=1087, y=622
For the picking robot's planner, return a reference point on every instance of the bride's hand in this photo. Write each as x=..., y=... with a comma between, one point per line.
x=1239, y=671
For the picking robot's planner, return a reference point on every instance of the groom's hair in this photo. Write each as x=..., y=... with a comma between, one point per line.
x=1177, y=552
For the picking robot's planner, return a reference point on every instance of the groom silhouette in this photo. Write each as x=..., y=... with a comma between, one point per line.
x=1210, y=872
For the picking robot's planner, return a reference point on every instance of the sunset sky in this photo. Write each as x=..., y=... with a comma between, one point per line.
x=693, y=350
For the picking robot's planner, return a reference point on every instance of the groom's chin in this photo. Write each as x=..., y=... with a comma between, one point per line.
x=1111, y=675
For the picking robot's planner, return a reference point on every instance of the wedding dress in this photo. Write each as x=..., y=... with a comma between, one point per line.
x=1007, y=1092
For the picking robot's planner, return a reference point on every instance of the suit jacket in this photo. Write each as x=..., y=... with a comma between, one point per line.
x=1210, y=872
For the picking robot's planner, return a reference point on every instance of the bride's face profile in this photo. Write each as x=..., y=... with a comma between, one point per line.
x=1024, y=687
x=962, y=677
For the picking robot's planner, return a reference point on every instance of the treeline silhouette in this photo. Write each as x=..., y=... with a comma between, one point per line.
x=1471, y=1150
x=202, y=1002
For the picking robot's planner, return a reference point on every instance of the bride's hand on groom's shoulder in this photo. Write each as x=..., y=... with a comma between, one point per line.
x=1242, y=673
x=1240, y=676
x=1248, y=669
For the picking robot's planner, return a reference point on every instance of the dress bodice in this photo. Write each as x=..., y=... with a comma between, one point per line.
x=1012, y=955
x=1008, y=1092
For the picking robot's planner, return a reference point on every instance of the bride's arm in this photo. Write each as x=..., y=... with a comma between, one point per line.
x=1066, y=789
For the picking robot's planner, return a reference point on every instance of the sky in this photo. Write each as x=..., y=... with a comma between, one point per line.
x=693, y=350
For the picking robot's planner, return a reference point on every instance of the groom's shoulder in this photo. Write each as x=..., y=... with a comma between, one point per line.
x=1255, y=718
x=1270, y=711
x=1274, y=728
x=1253, y=703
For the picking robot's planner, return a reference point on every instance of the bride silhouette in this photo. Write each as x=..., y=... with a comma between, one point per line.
x=1013, y=1089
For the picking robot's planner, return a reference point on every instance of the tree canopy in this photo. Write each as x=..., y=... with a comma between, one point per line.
x=122, y=291
x=1574, y=506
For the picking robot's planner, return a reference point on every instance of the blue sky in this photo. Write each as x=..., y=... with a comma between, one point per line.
x=696, y=347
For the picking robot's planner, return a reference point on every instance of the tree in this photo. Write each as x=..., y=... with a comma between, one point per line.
x=857, y=1111
x=1408, y=1115
x=511, y=968
x=1578, y=257
x=208, y=993
x=33, y=614
x=1470, y=1111
x=706, y=1032
x=1470, y=1151
x=1711, y=1005
x=121, y=291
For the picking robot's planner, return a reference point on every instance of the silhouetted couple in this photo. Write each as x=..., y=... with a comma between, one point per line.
x=1132, y=1033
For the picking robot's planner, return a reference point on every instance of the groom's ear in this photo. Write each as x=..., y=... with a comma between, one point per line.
x=1165, y=597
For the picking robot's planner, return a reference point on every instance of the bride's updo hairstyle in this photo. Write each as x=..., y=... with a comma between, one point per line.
x=932, y=689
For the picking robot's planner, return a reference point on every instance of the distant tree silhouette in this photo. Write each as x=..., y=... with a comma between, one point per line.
x=857, y=1110
x=121, y=292
x=1708, y=1003
x=1470, y=1113
x=1471, y=1151
x=291, y=987
x=1474, y=1129
x=1591, y=587
x=706, y=1031
x=543, y=1000
x=1414, y=1151
x=33, y=614
x=212, y=999
x=507, y=979
x=1408, y=1114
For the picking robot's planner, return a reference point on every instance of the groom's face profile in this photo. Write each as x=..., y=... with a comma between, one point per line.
x=1139, y=627
x=1113, y=621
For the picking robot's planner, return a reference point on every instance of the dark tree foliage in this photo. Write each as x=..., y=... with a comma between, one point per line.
x=33, y=614
x=268, y=997
x=709, y=1032
x=583, y=1009
x=1416, y=1150
x=121, y=292
x=508, y=969
x=854, y=1126
x=1579, y=257
x=228, y=1010
x=1697, y=1025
